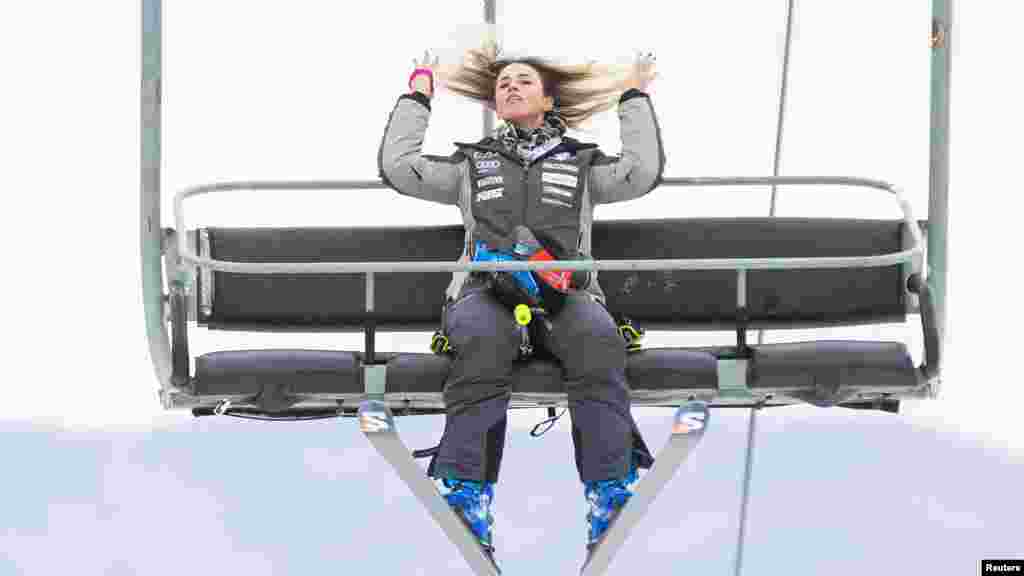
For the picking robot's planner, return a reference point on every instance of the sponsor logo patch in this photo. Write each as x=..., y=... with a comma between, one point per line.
x=561, y=179
x=688, y=423
x=563, y=156
x=560, y=166
x=487, y=166
x=490, y=181
x=484, y=155
x=555, y=201
x=558, y=191
x=490, y=194
x=374, y=422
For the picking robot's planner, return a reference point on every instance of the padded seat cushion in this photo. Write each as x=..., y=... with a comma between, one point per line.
x=848, y=363
x=826, y=372
x=299, y=371
x=819, y=372
x=339, y=372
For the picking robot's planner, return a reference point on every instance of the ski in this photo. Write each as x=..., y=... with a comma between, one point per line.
x=378, y=424
x=688, y=428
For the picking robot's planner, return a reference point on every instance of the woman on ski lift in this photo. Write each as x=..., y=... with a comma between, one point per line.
x=529, y=178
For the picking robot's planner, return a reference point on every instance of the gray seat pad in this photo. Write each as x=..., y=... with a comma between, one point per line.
x=829, y=365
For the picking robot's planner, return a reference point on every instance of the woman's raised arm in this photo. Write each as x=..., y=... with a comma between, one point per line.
x=638, y=169
x=400, y=162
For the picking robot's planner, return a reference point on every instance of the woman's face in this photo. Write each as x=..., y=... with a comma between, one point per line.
x=519, y=96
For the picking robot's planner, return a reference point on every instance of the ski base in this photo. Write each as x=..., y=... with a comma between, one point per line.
x=688, y=428
x=378, y=425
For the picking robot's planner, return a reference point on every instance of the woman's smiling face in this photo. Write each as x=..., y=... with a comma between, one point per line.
x=519, y=96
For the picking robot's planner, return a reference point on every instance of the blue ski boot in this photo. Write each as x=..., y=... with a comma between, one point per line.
x=471, y=502
x=606, y=499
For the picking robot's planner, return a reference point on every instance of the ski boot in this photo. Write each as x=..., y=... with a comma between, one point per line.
x=606, y=499
x=471, y=502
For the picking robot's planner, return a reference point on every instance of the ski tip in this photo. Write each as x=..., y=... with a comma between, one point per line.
x=374, y=416
x=691, y=418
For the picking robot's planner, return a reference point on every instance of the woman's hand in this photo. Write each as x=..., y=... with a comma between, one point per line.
x=422, y=82
x=643, y=72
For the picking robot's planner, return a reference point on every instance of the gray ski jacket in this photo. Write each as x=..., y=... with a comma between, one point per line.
x=553, y=196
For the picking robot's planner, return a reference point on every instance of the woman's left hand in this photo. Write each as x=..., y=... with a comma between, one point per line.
x=643, y=72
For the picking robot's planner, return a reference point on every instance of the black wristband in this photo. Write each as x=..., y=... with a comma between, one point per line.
x=419, y=97
x=632, y=93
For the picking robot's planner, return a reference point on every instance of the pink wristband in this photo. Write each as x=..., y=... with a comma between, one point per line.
x=419, y=72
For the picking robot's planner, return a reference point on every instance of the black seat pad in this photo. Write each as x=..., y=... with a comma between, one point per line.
x=811, y=366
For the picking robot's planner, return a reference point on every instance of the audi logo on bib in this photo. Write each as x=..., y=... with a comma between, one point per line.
x=487, y=166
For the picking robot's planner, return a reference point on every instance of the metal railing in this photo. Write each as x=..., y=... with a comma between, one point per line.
x=189, y=257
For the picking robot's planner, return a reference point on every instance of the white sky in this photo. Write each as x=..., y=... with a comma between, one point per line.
x=301, y=90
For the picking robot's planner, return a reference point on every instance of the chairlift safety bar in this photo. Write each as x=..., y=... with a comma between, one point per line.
x=187, y=254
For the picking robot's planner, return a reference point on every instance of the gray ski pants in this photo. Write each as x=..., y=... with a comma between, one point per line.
x=583, y=337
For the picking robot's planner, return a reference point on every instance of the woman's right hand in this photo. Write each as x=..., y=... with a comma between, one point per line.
x=422, y=83
x=642, y=73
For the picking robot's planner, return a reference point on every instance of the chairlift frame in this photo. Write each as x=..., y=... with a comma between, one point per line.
x=169, y=256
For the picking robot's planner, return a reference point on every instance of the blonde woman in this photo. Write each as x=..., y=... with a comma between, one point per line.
x=529, y=175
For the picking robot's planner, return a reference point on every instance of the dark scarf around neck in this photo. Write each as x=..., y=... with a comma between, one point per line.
x=530, y=144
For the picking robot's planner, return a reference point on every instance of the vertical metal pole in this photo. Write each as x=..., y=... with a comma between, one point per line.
x=746, y=488
x=782, y=103
x=741, y=288
x=490, y=18
x=783, y=89
x=784, y=84
x=741, y=312
x=371, y=323
x=151, y=234
x=938, y=184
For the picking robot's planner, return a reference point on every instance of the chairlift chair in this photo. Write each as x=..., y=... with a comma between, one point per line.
x=667, y=274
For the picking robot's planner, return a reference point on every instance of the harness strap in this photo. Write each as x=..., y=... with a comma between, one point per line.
x=550, y=422
x=631, y=333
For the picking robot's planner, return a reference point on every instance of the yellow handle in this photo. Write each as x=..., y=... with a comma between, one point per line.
x=523, y=314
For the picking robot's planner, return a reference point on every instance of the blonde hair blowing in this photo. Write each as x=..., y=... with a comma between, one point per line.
x=582, y=90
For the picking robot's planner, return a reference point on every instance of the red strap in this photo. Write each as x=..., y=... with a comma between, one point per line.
x=557, y=279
